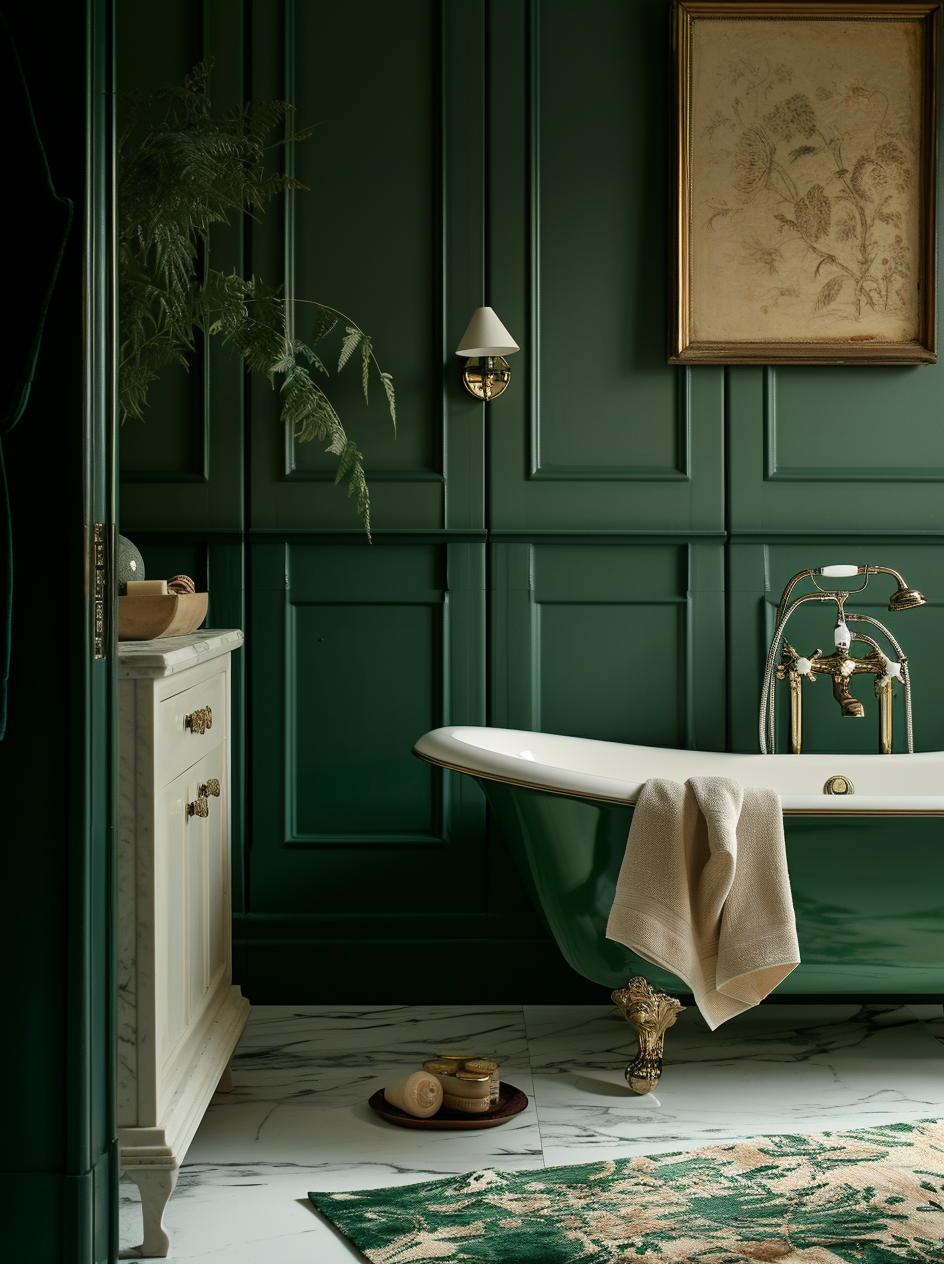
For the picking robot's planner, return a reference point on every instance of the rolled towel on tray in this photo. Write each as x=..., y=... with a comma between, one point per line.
x=419, y=1094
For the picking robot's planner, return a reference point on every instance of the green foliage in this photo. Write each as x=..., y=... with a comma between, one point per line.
x=177, y=177
x=388, y=387
x=351, y=338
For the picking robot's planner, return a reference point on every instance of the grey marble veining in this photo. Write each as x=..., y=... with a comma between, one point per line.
x=302, y=1074
x=933, y=1018
x=169, y=654
x=779, y=1068
x=298, y=1117
x=247, y=1214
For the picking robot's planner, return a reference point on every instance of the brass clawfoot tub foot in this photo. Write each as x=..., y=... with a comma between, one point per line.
x=650, y=1014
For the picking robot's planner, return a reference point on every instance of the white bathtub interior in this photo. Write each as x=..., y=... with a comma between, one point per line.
x=617, y=771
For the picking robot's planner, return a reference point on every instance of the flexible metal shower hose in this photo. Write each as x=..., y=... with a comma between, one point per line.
x=766, y=722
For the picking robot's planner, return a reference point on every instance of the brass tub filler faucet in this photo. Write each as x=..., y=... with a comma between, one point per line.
x=840, y=664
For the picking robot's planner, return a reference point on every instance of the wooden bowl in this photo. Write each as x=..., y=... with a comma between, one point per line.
x=144, y=618
x=511, y=1102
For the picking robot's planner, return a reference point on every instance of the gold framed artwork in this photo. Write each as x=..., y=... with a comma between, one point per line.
x=806, y=182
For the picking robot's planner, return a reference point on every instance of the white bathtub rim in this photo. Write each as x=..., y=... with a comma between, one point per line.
x=454, y=747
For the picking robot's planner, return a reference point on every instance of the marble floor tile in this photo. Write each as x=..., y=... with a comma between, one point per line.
x=298, y=1118
x=933, y=1018
x=256, y=1214
x=780, y=1068
x=303, y=1077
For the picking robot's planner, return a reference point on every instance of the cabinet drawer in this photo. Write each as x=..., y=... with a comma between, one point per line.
x=178, y=739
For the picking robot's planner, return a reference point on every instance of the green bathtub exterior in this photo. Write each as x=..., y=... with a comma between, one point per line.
x=868, y=893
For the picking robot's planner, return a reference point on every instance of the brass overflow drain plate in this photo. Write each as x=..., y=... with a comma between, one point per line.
x=839, y=785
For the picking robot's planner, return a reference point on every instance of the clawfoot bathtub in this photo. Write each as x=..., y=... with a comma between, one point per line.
x=866, y=865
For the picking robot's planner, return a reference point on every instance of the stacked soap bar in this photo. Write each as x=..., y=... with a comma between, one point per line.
x=472, y=1082
x=147, y=587
x=179, y=584
x=458, y=1079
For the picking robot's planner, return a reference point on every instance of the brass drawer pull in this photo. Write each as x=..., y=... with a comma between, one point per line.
x=199, y=807
x=199, y=721
x=212, y=787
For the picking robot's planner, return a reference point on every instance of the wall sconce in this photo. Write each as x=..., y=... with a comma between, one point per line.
x=486, y=342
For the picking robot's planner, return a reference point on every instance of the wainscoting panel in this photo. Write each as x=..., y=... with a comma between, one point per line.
x=596, y=430
x=836, y=449
x=610, y=638
x=391, y=234
x=183, y=464
x=759, y=572
x=357, y=651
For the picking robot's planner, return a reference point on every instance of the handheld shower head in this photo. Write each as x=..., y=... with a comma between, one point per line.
x=903, y=598
x=906, y=599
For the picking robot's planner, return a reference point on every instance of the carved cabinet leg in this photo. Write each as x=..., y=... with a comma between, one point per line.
x=650, y=1014
x=226, y=1080
x=156, y=1185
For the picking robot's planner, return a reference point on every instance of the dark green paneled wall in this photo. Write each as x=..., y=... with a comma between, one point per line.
x=600, y=553
x=598, y=432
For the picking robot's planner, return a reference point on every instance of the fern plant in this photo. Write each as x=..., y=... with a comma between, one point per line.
x=177, y=177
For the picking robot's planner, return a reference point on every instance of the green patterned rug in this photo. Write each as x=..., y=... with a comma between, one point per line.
x=869, y=1196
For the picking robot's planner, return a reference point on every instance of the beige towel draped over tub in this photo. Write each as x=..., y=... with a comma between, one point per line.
x=704, y=891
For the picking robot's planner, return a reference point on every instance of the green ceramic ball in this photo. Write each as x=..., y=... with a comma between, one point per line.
x=129, y=564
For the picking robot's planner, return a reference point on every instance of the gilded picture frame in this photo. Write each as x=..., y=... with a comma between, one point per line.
x=805, y=182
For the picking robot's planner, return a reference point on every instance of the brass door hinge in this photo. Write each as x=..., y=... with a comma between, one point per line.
x=99, y=590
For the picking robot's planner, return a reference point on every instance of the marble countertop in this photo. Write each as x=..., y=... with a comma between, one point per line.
x=169, y=654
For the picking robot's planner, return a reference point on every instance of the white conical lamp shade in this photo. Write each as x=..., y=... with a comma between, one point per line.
x=486, y=336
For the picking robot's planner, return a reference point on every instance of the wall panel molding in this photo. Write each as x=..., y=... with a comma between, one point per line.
x=835, y=450
x=183, y=463
x=679, y=472
x=597, y=430
x=883, y=471
x=646, y=615
x=541, y=468
x=292, y=472
x=355, y=648
x=401, y=249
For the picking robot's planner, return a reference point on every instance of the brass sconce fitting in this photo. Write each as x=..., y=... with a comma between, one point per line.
x=486, y=377
x=485, y=343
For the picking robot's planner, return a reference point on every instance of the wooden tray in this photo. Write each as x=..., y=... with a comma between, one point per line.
x=511, y=1102
x=146, y=618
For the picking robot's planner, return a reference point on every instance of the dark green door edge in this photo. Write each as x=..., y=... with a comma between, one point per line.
x=90, y=1185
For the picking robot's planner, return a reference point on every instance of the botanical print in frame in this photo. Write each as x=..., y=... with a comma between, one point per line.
x=806, y=183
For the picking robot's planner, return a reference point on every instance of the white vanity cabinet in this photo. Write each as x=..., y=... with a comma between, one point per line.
x=179, y=1013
